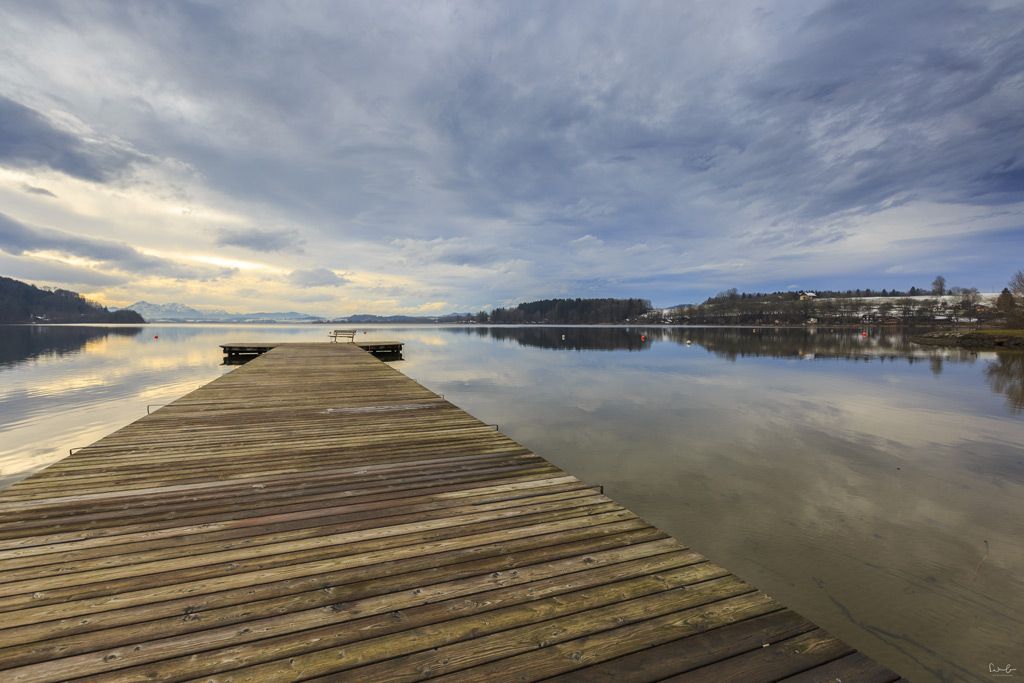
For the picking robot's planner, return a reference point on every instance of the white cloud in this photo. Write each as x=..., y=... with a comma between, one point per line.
x=316, y=277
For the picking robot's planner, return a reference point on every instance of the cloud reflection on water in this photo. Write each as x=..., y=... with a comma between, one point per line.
x=858, y=488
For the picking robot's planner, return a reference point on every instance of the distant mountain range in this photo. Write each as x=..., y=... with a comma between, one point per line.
x=366, y=318
x=180, y=313
x=174, y=312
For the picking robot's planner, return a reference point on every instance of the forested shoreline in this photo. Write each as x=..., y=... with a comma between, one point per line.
x=21, y=302
x=569, y=312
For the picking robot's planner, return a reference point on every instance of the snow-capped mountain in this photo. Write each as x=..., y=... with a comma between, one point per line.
x=175, y=312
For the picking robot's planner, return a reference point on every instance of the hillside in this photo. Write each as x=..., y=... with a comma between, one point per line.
x=799, y=308
x=21, y=302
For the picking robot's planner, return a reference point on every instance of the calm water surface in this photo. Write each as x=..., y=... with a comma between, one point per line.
x=873, y=485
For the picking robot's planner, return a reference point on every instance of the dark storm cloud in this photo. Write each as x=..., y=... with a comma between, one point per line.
x=589, y=115
x=46, y=271
x=862, y=104
x=29, y=140
x=455, y=252
x=38, y=190
x=316, y=277
x=17, y=238
x=261, y=240
x=928, y=93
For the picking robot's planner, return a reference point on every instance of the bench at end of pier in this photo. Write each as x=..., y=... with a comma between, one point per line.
x=344, y=335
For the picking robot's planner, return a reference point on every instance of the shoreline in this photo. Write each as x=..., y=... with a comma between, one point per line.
x=980, y=340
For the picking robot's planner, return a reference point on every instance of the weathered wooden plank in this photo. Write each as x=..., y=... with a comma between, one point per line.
x=207, y=608
x=461, y=641
x=350, y=621
x=264, y=559
x=202, y=550
x=574, y=653
x=253, y=529
x=548, y=624
x=855, y=667
x=653, y=662
x=251, y=497
x=779, y=660
x=62, y=604
x=148, y=623
x=35, y=545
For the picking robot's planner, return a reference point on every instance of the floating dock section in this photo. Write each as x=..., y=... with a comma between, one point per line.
x=316, y=515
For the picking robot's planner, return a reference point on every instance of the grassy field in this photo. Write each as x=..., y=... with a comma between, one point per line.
x=1001, y=333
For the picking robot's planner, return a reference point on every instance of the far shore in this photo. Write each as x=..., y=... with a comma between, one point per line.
x=980, y=339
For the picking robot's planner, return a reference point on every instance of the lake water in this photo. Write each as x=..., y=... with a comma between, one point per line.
x=875, y=486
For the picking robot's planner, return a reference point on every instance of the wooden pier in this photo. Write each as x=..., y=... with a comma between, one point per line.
x=316, y=515
x=236, y=353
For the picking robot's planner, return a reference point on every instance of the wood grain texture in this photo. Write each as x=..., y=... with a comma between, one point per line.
x=316, y=514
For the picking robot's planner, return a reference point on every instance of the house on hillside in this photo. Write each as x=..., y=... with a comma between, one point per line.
x=808, y=296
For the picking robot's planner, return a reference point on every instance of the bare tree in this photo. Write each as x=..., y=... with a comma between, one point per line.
x=939, y=285
x=965, y=307
x=885, y=310
x=906, y=308
x=1013, y=308
x=1017, y=283
x=970, y=296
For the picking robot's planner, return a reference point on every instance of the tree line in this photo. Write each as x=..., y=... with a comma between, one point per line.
x=21, y=302
x=568, y=312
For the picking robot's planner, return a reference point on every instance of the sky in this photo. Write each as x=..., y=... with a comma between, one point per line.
x=430, y=157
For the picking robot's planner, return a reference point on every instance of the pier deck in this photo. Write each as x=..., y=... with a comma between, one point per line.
x=315, y=514
x=236, y=353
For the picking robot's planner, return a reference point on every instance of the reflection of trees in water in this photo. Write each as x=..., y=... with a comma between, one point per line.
x=1006, y=376
x=733, y=343
x=575, y=338
x=23, y=342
